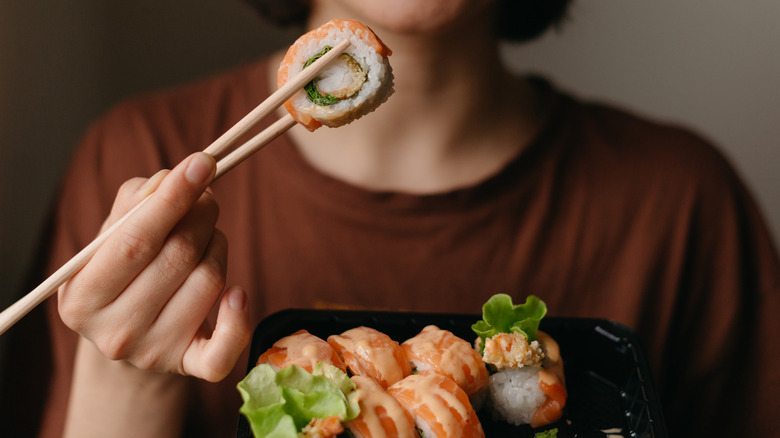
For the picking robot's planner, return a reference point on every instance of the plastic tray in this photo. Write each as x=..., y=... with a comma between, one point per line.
x=610, y=388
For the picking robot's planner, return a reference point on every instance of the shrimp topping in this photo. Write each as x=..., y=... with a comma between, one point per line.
x=340, y=80
x=512, y=350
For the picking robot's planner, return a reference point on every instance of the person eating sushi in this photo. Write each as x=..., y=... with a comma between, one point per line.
x=469, y=180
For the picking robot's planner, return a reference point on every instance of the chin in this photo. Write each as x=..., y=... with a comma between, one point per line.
x=412, y=16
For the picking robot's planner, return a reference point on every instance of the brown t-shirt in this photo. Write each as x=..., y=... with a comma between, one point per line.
x=604, y=215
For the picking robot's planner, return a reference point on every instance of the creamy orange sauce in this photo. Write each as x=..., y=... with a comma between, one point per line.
x=437, y=403
x=302, y=349
x=369, y=352
x=445, y=353
x=380, y=414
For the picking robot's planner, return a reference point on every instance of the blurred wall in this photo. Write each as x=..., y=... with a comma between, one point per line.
x=711, y=64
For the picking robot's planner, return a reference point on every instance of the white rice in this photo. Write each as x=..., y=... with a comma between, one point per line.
x=377, y=88
x=423, y=428
x=419, y=365
x=515, y=394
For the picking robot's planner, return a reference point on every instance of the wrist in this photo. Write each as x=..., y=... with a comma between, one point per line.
x=110, y=397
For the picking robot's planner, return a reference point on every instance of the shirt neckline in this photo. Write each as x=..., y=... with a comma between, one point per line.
x=332, y=189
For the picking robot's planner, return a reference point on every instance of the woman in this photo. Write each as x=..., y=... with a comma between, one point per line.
x=467, y=182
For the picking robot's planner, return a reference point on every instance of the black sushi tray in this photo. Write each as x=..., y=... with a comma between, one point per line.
x=610, y=387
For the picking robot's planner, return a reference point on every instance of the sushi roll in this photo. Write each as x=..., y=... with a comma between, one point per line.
x=443, y=352
x=380, y=414
x=303, y=349
x=368, y=352
x=528, y=386
x=527, y=383
x=353, y=85
x=439, y=407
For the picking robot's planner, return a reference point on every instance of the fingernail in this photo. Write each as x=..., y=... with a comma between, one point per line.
x=199, y=169
x=237, y=299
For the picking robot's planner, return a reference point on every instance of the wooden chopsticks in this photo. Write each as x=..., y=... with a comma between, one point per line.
x=221, y=146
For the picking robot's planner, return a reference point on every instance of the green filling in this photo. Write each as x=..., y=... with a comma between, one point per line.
x=314, y=94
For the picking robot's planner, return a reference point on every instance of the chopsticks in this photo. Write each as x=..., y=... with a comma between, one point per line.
x=220, y=146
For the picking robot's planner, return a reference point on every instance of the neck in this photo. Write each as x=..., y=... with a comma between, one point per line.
x=455, y=118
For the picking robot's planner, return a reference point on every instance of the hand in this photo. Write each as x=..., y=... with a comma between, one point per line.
x=146, y=294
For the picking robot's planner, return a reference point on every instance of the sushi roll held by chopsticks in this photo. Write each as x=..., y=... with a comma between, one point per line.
x=350, y=87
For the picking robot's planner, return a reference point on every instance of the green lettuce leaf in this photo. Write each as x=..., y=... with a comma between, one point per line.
x=278, y=404
x=500, y=315
x=342, y=381
x=549, y=433
x=264, y=405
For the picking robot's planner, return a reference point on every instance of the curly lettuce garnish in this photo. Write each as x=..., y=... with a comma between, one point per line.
x=500, y=315
x=281, y=403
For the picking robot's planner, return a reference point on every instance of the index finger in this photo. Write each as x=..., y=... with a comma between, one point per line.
x=133, y=245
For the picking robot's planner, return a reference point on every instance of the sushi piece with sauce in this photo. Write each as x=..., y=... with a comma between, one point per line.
x=368, y=352
x=303, y=349
x=439, y=407
x=527, y=383
x=380, y=414
x=353, y=85
x=441, y=351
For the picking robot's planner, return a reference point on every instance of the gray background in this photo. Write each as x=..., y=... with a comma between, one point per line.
x=713, y=65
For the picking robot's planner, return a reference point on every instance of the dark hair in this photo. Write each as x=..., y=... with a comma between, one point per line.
x=518, y=20
x=524, y=20
x=282, y=12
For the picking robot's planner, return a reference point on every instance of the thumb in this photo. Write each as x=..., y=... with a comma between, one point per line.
x=213, y=358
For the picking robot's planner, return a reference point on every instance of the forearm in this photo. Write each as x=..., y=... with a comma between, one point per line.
x=115, y=399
